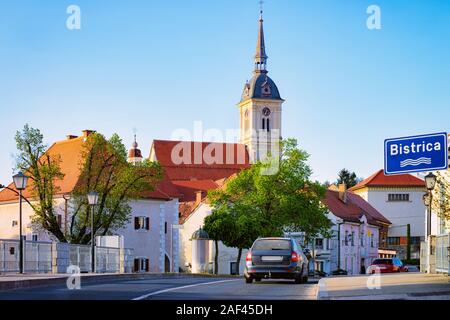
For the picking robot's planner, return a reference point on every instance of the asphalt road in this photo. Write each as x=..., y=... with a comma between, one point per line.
x=170, y=288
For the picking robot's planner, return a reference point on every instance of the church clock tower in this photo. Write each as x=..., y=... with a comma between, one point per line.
x=260, y=107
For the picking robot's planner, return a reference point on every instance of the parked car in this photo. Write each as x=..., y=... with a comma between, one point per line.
x=386, y=265
x=276, y=258
x=411, y=268
x=339, y=272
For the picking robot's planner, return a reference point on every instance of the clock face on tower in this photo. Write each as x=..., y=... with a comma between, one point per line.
x=266, y=111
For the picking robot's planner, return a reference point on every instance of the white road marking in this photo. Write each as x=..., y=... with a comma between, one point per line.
x=183, y=287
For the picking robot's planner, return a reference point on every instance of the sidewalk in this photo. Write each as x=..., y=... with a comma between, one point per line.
x=10, y=281
x=404, y=286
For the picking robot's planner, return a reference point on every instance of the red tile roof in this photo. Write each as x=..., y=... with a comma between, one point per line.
x=233, y=158
x=379, y=179
x=353, y=209
x=70, y=154
x=189, y=188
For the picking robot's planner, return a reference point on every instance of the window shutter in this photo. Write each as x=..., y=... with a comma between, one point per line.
x=147, y=265
x=136, y=265
x=136, y=223
x=147, y=222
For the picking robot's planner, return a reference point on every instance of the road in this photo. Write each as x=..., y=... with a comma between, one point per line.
x=403, y=286
x=171, y=288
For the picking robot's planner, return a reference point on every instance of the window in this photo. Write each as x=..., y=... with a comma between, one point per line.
x=319, y=243
x=59, y=220
x=353, y=238
x=165, y=227
x=141, y=223
x=141, y=265
x=233, y=268
x=14, y=223
x=346, y=238
x=272, y=244
x=398, y=197
x=415, y=240
x=394, y=241
x=371, y=241
x=34, y=237
x=361, y=237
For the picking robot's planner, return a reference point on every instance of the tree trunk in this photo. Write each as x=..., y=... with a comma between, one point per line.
x=216, y=257
x=238, y=260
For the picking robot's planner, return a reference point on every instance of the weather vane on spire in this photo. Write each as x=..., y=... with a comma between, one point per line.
x=261, y=5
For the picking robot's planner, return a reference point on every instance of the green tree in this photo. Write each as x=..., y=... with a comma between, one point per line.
x=349, y=178
x=105, y=170
x=254, y=203
x=43, y=171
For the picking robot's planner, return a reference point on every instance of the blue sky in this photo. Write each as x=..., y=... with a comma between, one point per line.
x=161, y=65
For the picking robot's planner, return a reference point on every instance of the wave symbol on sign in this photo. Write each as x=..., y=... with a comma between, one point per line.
x=415, y=162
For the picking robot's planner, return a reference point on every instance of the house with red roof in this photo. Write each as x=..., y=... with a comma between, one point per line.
x=400, y=199
x=155, y=249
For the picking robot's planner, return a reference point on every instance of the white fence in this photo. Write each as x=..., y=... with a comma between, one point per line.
x=52, y=257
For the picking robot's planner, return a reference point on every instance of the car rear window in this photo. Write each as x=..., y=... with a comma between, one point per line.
x=272, y=244
x=382, y=261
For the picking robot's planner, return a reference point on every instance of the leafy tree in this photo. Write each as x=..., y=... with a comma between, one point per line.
x=105, y=170
x=43, y=170
x=349, y=178
x=441, y=195
x=254, y=203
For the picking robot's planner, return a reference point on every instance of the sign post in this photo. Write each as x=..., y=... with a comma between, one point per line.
x=416, y=154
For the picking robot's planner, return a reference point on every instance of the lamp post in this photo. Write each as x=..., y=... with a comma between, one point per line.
x=20, y=182
x=92, y=200
x=430, y=181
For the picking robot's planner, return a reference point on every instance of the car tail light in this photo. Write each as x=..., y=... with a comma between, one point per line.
x=249, y=257
x=294, y=257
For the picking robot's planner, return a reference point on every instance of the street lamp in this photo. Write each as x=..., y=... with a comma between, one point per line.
x=20, y=182
x=92, y=200
x=430, y=181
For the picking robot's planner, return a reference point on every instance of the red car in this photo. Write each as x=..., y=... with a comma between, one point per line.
x=386, y=265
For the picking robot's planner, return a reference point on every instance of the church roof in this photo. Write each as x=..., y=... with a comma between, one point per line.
x=260, y=87
x=231, y=158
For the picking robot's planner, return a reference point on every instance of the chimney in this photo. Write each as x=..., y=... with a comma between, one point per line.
x=342, y=192
x=71, y=136
x=198, y=197
x=87, y=133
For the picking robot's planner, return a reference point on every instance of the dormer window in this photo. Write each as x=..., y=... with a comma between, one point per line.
x=266, y=91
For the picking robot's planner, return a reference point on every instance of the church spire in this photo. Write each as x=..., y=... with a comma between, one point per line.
x=261, y=57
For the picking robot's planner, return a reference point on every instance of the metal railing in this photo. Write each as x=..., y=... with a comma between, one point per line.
x=442, y=253
x=47, y=257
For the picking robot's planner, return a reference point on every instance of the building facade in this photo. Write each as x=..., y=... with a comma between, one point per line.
x=400, y=199
x=150, y=231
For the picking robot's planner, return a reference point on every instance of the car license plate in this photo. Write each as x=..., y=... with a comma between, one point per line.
x=271, y=258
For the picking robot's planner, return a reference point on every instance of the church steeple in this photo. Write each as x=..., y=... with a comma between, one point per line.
x=261, y=56
x=260, y=107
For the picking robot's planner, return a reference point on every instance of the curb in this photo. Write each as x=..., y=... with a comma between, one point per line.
x=90, y=278
x=322, y=293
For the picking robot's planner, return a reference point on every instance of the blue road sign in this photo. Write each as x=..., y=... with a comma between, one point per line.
x=415, y=154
